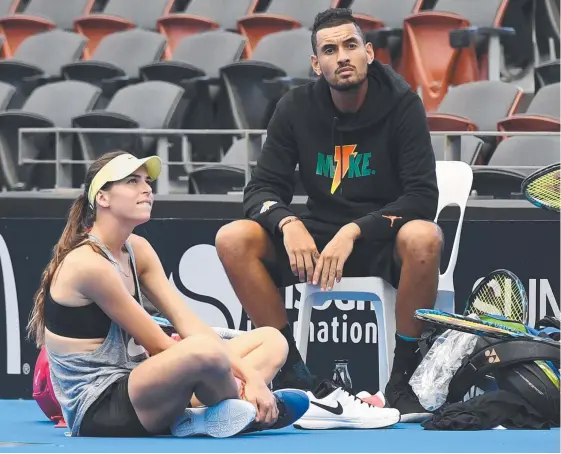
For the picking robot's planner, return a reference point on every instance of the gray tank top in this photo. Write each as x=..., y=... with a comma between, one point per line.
x=80, y=378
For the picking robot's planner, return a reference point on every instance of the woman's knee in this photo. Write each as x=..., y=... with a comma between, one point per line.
x=204, y=355
x=276, y=342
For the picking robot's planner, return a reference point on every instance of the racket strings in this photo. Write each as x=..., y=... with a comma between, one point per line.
x=546, y=189
x=500, y=296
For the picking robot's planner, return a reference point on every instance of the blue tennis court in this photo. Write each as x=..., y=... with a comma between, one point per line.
x=24, y=428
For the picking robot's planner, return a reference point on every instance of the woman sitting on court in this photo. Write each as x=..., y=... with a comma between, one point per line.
x=88, y=314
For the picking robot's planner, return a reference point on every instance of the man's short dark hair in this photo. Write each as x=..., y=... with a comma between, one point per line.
x=333, y=17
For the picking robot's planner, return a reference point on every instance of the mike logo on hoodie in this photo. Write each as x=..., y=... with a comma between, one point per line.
x=344, y=162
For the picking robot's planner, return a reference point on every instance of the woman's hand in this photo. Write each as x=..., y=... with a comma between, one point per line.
x=257, y=392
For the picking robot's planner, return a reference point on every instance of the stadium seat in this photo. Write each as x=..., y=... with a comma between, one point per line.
x=547, y=74
x=192, y=64
x=6, y=93
x=510, y=164
x=228, y=175
x=281, y=15
x=382, y=23
x=475, y=106
x=281, y=60
x=543, y=113
x=40, y=16
x=119, y=15
x=204, y=15
x=40, y=59
x=52, y=105
x=147, y=105
x=434, y=58
x=471, y=149
x=117, y=60
x=7, y=7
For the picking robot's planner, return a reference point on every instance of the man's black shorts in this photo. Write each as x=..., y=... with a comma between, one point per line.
x=378, y=259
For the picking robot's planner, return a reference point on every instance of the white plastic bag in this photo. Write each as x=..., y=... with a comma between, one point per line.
x=432, y=378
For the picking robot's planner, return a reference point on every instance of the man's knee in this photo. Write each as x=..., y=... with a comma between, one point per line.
x=420, y=241
x=241, y=240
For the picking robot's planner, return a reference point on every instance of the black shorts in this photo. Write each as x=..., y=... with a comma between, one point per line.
x=368, y=258
x=112, y=414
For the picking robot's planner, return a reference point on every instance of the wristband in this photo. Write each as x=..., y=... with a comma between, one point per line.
x=292, y=219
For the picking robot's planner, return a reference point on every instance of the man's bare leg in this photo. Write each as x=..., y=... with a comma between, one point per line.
x=419, y=246
x=242, y=247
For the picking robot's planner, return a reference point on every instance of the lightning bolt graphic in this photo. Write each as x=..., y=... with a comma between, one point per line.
x=348, y=151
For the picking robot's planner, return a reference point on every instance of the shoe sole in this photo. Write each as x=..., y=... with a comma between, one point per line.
x=332, y=423
x=225, y=419
x=415, y=417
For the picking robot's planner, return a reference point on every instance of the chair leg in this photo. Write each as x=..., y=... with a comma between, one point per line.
x=303, y=327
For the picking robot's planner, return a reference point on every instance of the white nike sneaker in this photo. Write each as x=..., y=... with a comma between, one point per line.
x=333, y=407
x=225, y=419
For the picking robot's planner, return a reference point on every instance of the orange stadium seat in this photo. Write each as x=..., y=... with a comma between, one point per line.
x=40, y=16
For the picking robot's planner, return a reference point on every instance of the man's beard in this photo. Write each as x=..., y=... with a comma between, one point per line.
x=342, y=87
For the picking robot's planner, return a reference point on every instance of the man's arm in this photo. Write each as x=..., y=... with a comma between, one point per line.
x=417, y=173
x=268, y=195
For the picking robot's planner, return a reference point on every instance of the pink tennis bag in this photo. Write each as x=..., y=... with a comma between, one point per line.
x=43, y=392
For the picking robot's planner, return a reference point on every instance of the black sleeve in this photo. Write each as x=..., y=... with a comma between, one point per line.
x=417, y=172
x=271, y=188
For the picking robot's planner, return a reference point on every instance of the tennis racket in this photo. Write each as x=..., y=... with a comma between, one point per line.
x=541, y=188
x=500, y=293
x=488, y=327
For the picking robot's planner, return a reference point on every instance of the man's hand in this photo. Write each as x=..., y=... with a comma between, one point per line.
x=333, y=257
x=301, y=249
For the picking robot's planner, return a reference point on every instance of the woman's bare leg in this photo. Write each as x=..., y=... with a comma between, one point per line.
x=264, y=349
x=161, y=387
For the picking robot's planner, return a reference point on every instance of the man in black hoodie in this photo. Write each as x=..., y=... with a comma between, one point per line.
x=361, y=140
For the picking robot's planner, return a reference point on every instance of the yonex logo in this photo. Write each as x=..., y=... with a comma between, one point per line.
x=13, y=343
x=492, y=356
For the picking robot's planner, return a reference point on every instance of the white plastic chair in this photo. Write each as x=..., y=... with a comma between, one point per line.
x=454, y=185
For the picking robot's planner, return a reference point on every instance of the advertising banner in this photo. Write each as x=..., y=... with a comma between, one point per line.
x=340, y=329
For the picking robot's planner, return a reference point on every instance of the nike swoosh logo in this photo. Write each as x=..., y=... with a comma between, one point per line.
x=338, y=410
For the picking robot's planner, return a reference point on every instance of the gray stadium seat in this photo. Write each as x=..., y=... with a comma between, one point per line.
x=204, y=15
x=39, y=59
x=543, y=113
x=470, y=148
x=120, y=15
x=117, y=60
x=192, y=61
x=196, y=69
x=475, y=106
x=147, y=105
x=52, y=105
x=382, y=22
x=499, y=181
x=40, y=16
x=280, y=61
x=6, y=93
x=281, y=15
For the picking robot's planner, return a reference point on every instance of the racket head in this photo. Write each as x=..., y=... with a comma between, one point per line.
x=541, y=188
x=500, y=293
x=466, y=324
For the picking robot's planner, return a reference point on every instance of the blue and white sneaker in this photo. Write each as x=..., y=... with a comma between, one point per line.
x=292, y=405
x=225, y=419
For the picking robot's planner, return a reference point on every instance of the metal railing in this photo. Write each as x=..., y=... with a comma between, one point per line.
x=63, y=149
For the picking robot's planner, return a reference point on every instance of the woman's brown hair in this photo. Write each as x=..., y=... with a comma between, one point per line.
x=81, y=217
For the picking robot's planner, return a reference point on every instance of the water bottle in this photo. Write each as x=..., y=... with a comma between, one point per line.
x=341, y=373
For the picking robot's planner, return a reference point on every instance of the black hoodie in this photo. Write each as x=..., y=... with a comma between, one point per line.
x=387, y=176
